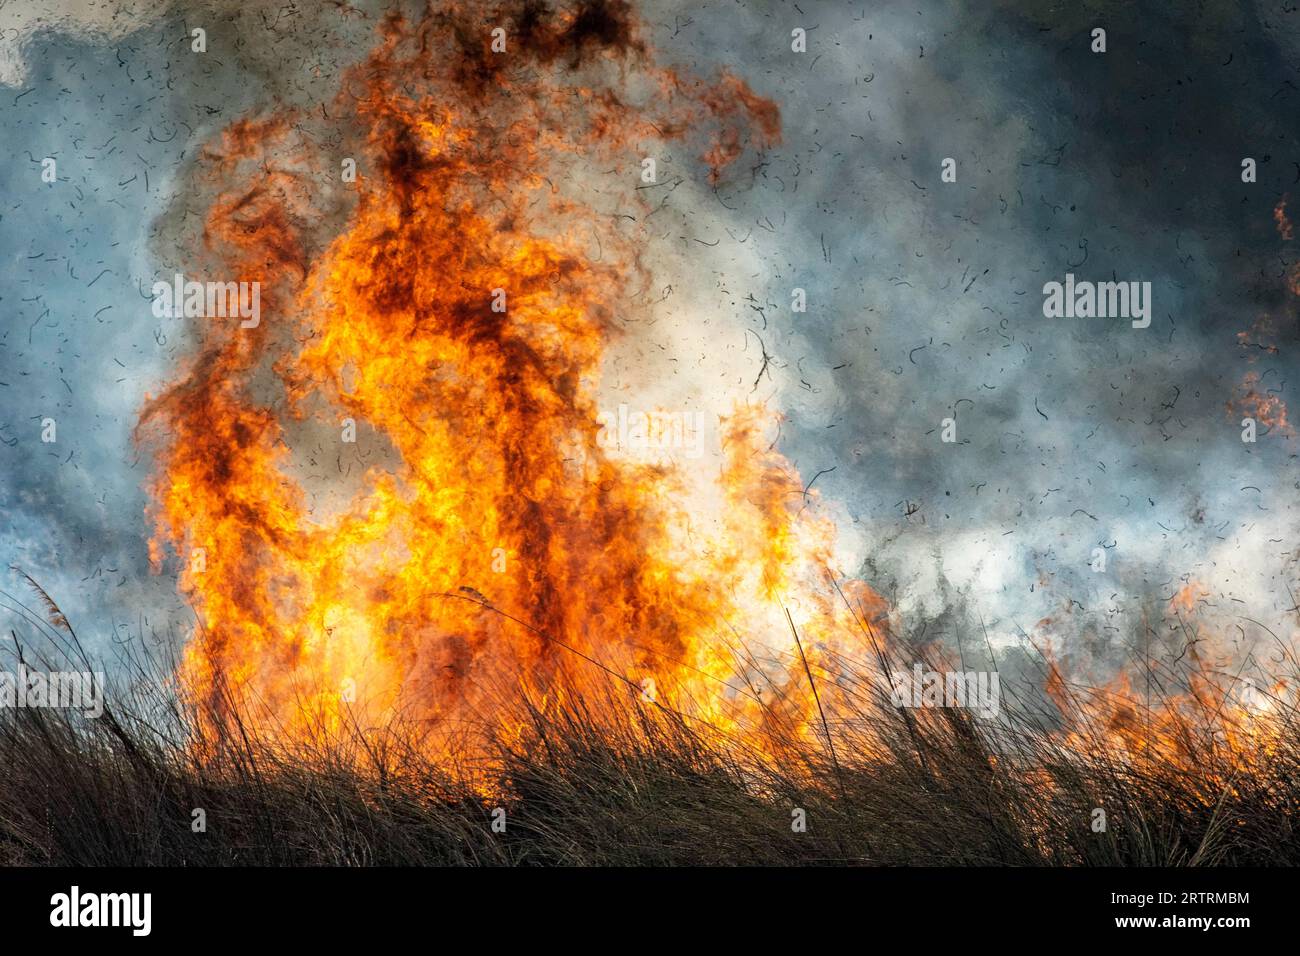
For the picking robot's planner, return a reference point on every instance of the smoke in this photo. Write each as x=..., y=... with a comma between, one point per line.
x=23, y=23
x=923, y=297
x=114, y=94
x=1073, y=437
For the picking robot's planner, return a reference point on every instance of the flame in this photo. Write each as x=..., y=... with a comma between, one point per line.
x=1211, y=716
x=1215, y=727
x=1281, y=220
x=1250, y=399
x=1265, y=407
x=477, y=535
x=1186, y=599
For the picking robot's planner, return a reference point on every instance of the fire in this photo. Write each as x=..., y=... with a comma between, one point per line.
x=477, y=535
x=391, y=498
x=1281, y=220
x=1185, y=705
x=1252, y=399
x=1265, y=407
x=1187, y=597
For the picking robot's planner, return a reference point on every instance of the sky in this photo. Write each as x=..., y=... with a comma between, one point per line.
x=924, y=297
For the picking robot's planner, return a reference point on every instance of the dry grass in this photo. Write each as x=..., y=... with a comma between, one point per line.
x=608, y=780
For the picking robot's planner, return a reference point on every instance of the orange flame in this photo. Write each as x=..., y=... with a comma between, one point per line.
x=1267, y=408
x=1281, y=220
x=477, y=531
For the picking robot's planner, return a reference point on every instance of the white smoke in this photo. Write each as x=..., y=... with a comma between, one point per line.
x=87, y=20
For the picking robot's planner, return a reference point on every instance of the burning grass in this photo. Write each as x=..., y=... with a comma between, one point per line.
x=481, y=613
x=610, y=778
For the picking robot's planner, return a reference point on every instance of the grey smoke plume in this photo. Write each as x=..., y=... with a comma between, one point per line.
x=924, y=297
x=926, y=304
